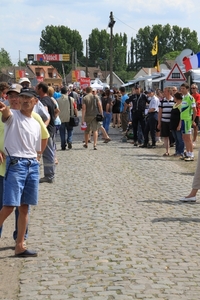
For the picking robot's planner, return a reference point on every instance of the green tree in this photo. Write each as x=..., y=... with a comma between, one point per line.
x=99, y=50
x=170, y=39
x=61, y=40
x=5, y=60
x=23, y=63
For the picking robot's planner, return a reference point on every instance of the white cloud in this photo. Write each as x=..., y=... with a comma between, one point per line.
x=22, y=21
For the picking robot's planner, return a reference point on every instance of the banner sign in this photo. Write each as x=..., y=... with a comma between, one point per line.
x=40, y=78
x=48, y=57
x=84, y=82
x=19, y=74
x=76, y=75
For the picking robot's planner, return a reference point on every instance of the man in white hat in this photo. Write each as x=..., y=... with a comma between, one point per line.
x=25, y=82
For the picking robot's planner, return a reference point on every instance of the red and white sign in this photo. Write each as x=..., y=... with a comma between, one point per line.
x=84, y=82
x=48, y=57
x=176, y=74
x=40, y=78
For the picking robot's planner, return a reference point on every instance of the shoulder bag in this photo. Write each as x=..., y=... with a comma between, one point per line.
x=73, y=121
x=99, y=117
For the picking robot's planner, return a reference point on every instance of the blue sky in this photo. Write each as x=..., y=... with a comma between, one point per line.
x=22, y=21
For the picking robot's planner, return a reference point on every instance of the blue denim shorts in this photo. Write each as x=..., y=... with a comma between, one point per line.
x=21, y=181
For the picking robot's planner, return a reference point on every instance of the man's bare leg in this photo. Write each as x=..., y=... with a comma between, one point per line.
x=22, y=223
x=4, y=213
x=86, y=137
x=95, y=136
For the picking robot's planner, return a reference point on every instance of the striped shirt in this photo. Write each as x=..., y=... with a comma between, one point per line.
x=166, y=106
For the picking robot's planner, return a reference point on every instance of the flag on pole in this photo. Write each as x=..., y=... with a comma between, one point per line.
x=154, y=50
x=157, y=64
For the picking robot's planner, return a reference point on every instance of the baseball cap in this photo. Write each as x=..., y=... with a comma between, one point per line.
x=30, y=92
x=15, y=87
x=151, y=91
x=24, y=79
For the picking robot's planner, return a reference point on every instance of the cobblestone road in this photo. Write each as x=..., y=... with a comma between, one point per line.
x=111, y=227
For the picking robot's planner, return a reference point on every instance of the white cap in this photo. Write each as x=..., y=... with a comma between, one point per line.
x=24, y=79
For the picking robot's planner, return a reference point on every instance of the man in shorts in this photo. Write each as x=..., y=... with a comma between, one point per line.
x=91, y=106
x=188, y=115
x=22, y=144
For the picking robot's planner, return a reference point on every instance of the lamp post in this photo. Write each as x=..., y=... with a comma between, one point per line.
x=111, y=25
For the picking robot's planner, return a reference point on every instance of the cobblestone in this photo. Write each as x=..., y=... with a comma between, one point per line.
x=111, y=227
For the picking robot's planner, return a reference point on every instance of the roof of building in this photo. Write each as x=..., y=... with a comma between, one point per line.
x=34, y=68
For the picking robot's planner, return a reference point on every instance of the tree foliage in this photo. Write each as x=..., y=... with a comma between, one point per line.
x=61, y=40
x=99, y=50
x=170, y=39
x=5, y=60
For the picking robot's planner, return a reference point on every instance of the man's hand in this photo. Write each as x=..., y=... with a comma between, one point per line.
x=2, y=106
x=5, y=110
x=2, y=157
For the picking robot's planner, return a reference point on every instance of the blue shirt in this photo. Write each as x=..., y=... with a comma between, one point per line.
x=123, y=99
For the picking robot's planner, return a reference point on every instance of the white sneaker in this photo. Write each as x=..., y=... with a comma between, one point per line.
x=188, y=199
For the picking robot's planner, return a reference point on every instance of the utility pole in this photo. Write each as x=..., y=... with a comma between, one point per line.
x=111, y=25
x=64, y=77
x=73, y=59
x=86, y=69
x=19, y=61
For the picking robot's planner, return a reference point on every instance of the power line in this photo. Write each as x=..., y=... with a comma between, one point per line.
x=125, y=24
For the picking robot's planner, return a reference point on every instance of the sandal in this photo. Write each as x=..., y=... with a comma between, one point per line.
x=95, y=147
x=85, y=146
x=107, y=140
x=166, y=154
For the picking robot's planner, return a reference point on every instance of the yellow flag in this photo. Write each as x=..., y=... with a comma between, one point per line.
x=154, y=50
x=157, y=64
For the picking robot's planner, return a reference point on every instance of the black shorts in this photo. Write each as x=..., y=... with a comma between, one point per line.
x=165, y=129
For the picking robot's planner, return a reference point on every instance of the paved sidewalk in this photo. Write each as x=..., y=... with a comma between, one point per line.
x=111, y=227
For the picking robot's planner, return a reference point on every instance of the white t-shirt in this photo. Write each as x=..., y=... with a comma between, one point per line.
x=22, y=135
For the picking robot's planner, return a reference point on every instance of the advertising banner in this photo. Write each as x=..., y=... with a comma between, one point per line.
x=84, y=82
x=48, y=57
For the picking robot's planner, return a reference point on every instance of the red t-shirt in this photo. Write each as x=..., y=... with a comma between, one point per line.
x=197, y=100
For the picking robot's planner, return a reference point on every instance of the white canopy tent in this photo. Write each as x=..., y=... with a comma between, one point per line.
x=97, y=86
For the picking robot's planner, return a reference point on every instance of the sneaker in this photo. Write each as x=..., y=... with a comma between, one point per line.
x=188, y=199
x=135, y=144
x=183, y=156
x=46, y=179
x=189, y=158
x=152, y=146
x=69, y=145
x=143, y=146
x=85, y=146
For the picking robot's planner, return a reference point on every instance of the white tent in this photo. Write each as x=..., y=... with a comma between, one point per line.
x=97, y=86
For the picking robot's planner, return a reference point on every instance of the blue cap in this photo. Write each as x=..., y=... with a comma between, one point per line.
x=151, y=91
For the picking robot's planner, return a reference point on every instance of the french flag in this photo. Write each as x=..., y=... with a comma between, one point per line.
x=192, y=62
